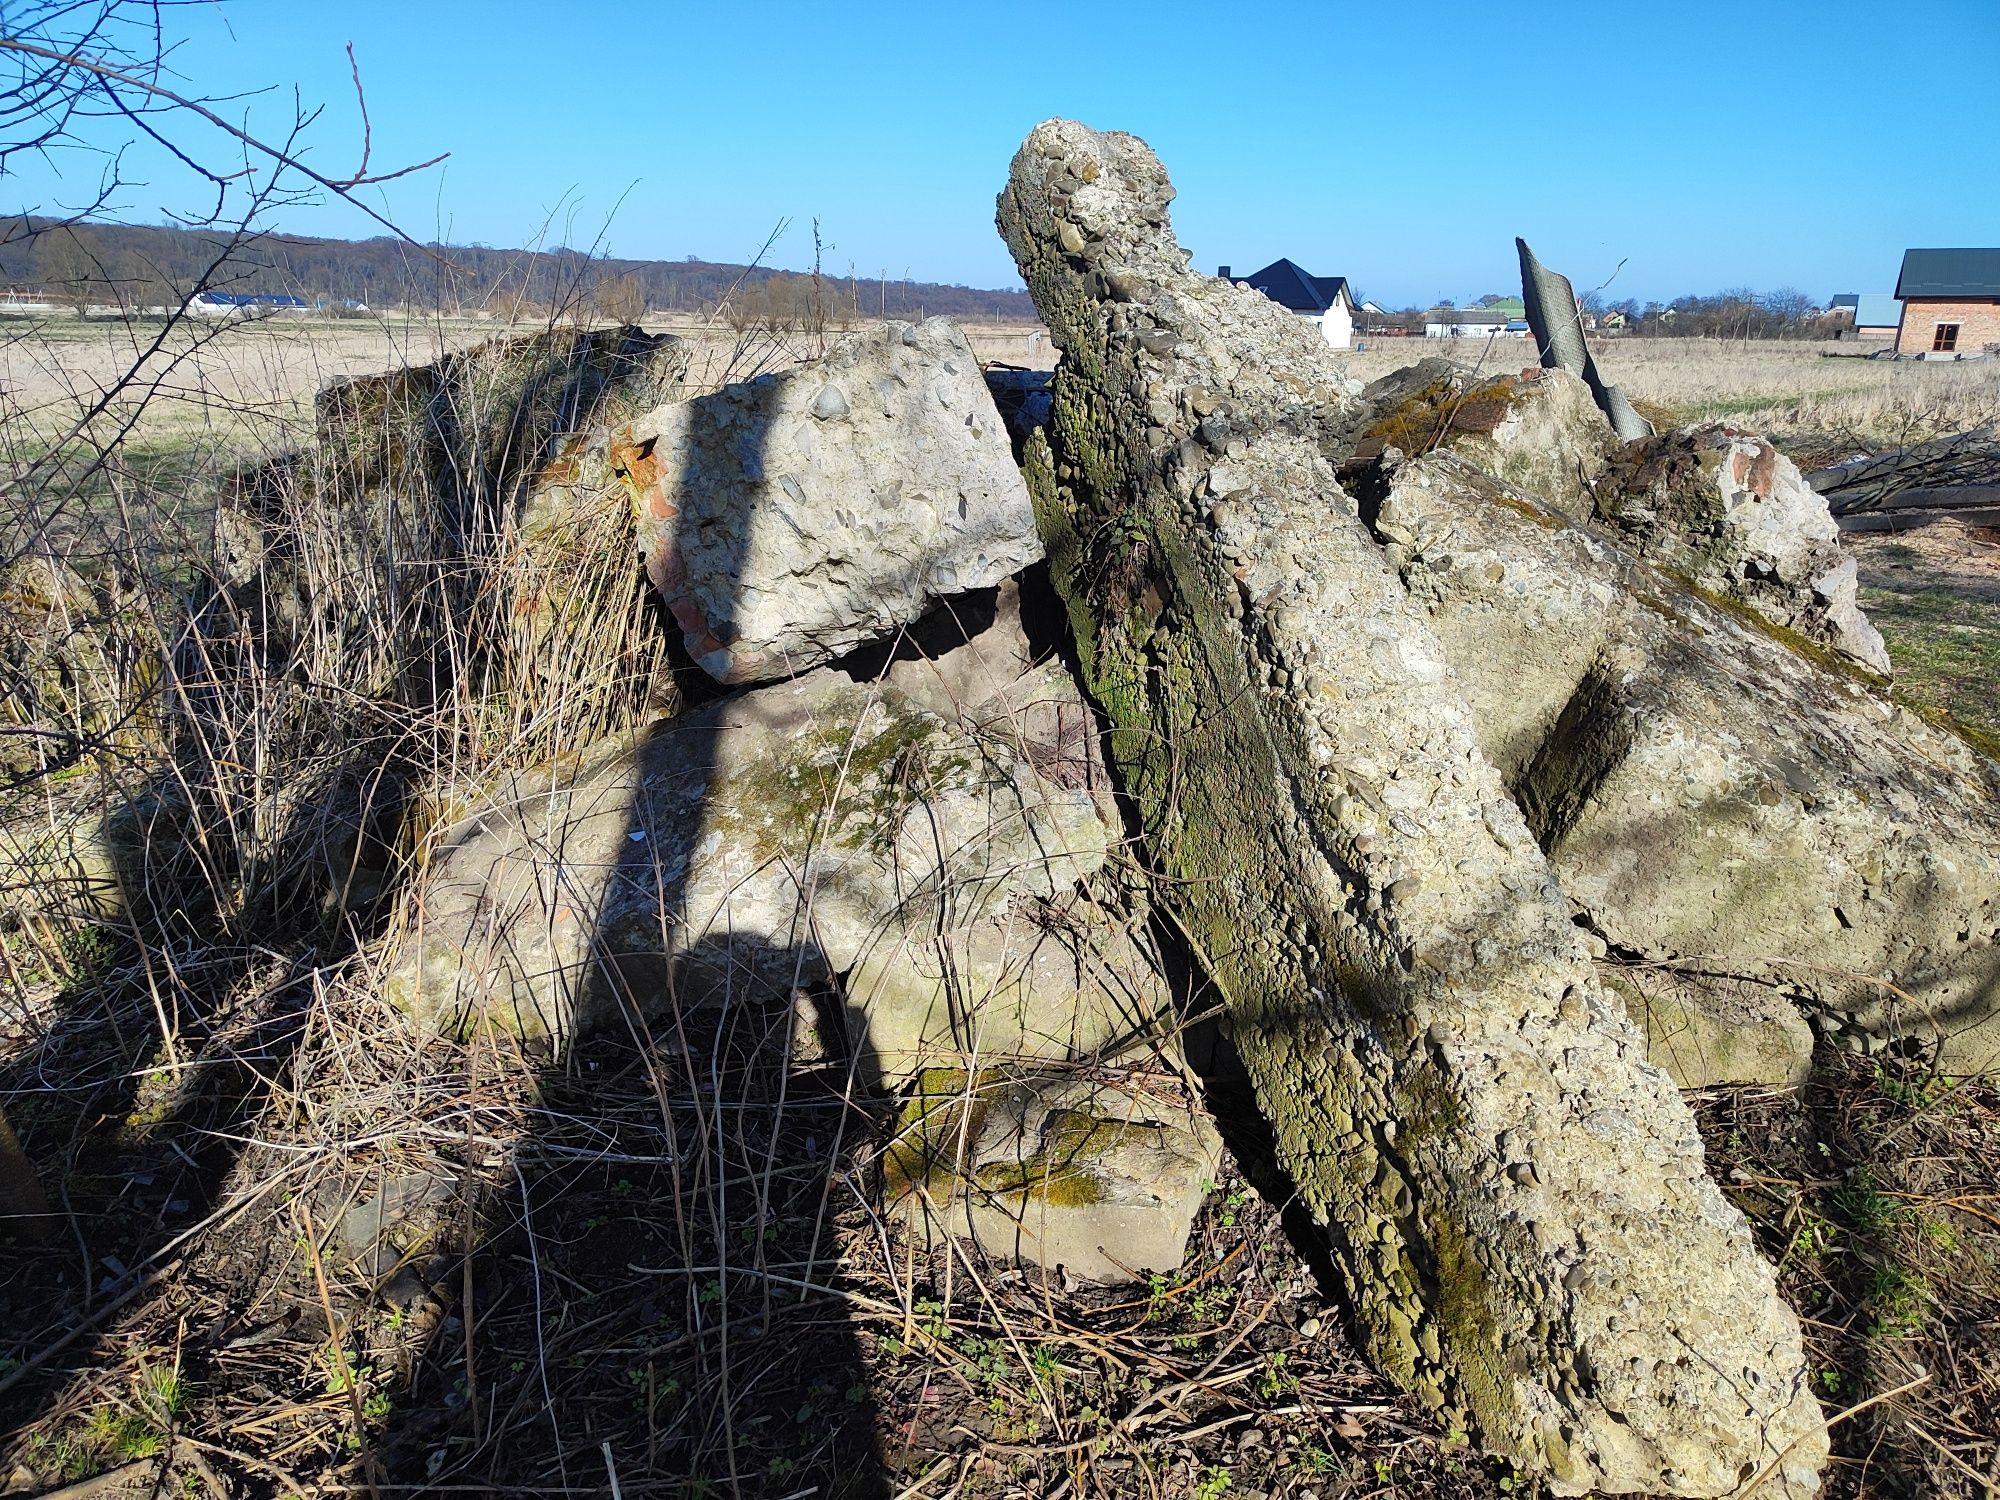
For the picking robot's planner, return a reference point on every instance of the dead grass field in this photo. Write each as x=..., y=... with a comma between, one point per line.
x=1800, y=394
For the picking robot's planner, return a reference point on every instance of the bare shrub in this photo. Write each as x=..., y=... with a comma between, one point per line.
x=622, y=299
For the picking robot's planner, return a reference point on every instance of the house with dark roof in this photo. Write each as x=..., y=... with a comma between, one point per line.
x=1951, y=303
x=1324, y=299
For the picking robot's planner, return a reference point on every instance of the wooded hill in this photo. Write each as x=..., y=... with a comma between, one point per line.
x=141, y=264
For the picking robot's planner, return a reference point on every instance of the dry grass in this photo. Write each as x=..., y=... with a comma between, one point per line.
x=1808, y=396
x=1876, y=1190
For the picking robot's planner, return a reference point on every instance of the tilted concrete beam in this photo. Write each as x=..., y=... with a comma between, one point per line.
x=1517, y=1200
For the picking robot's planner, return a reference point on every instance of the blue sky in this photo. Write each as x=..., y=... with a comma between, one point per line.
x=1400, y=144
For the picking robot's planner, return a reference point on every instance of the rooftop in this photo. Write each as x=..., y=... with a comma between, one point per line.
x=1949, y=273
x=1288, y=285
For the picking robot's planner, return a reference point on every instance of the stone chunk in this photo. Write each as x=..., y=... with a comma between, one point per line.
x=1706, y=1030
x=789, y=519
x=1516, y=1199
x=762, y=843
x=1708, y=785
x=1037, y=979
x=1055, y=1168
x=1728, y=510
x=1536, y=429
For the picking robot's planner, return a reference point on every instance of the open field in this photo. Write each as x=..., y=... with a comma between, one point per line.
x=1810, y=397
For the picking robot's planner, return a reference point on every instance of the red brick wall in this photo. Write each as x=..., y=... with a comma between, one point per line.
x=1979, y=324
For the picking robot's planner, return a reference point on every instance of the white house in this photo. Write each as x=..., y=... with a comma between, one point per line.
x=1472, y=323
x=1324, y=299
x=244, y=304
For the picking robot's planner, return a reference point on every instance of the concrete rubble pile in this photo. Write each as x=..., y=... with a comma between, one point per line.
x=1517, y=1199
x=1497, y=774
x=927, y=835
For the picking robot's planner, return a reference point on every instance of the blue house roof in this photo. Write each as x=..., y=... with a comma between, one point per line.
x=1290, y=286
x=250, y=299
x=1949, y=273
x=1877, y=310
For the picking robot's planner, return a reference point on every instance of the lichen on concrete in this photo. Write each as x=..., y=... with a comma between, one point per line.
x=1054, y=1166
x=1447, y=1083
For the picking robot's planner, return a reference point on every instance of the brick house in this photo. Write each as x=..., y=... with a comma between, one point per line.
x=1951, y=303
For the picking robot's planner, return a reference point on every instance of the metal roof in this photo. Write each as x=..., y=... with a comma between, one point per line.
x=1949, y=273
x=1289, y=286
x=1877, y=310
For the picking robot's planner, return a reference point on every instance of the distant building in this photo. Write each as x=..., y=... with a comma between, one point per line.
x=1473, y=323
x=1324, y=299
x=1951, y=303
x=244, y=304
x=1875, y=315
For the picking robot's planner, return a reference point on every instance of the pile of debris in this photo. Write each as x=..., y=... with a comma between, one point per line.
x=1498, y=771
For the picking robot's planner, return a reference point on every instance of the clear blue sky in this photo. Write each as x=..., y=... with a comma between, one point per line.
x=1401, y=144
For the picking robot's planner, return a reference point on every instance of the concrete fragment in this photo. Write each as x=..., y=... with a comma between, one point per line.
x=1536, y=429
x=1708, y=784
x=456, y=501
x=1706, y=1029
x=762, y=843
x=1055, y=1168
x=1726, y=509
x=790, y=519
x=1042, y=979
x=1516, y=1199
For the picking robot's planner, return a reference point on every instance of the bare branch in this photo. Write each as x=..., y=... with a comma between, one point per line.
x=344, y=191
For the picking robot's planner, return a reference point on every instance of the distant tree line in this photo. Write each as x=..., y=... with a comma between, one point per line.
x=139, y=266
x=1738, y=313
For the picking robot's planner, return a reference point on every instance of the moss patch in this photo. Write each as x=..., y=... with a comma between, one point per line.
x=872, y=780
x=946, y=1114
x=1791, y=640
x=1440, y=412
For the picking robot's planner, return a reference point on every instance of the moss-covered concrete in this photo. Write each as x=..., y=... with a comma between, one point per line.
x=1397, y=967
x=1168, y=668
x=1053, y=1166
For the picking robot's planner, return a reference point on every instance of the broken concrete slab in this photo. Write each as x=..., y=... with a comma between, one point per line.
x=1037, y=979
x=1516, y=1199
x=792, y=518
x=1058, y=1168
x=1536, y=429
x=1710, y=786
x=762, y=843
x=1709, y=1029
x=1724, y=507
